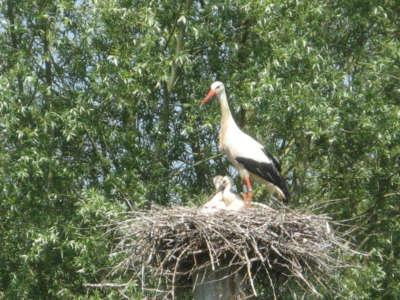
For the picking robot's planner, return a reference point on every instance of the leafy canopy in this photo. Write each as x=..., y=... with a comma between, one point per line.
x=99, y=114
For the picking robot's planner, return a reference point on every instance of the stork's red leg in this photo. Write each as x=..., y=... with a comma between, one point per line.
x=248, y=196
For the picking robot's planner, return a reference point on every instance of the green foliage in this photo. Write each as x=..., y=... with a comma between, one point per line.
x=99, y=113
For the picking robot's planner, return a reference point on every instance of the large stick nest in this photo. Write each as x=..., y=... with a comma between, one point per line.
x=165, y=248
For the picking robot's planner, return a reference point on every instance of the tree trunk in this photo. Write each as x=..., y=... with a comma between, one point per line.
x=217, y=285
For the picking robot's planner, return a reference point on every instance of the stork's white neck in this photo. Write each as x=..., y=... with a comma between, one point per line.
x=226, y=115
x=227, y=188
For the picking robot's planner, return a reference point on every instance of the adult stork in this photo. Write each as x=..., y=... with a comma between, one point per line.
x=244, y=152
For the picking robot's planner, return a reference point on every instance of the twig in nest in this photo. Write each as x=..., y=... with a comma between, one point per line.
x=175, y=244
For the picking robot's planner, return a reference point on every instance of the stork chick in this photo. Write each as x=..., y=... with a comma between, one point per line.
x=215, y=202
x=232, y=201
x=224, y=198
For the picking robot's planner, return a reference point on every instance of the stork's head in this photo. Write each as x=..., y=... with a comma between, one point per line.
x=227, y=182
x=218, y=182
x=222, y=182
x=216, y=89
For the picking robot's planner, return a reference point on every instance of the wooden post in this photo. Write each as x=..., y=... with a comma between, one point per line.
x=217, y=285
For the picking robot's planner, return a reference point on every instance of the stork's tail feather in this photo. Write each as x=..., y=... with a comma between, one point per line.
x=286, y=195
x=268, y=172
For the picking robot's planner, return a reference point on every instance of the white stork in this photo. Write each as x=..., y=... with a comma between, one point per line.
x=232, y=201
x=224, y=198
x=244, y=152
x=215, y=202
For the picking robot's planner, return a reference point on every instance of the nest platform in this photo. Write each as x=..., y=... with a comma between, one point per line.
x=167, y=249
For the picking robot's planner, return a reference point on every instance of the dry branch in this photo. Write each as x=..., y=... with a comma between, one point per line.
x=267, y=246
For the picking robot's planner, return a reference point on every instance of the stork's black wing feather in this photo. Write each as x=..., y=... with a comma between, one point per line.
x=267, y=171
x=274, y=159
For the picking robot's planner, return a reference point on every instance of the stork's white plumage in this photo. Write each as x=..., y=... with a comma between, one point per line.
x=215, y=202
x=232, y=201
x=244, y=152
x=224, y=198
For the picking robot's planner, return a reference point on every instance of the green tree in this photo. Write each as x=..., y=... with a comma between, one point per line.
x=99, y=114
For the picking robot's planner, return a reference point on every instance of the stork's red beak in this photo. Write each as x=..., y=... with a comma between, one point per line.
x=209, y=96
